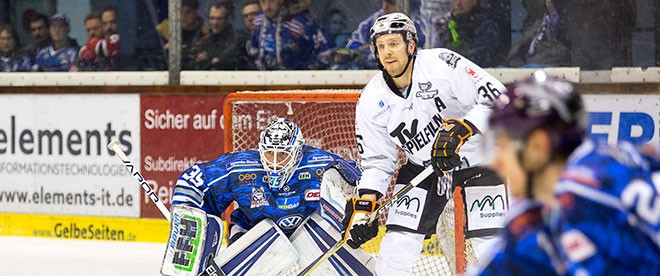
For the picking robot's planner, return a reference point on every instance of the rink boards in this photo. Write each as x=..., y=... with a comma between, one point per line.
x=58, y=180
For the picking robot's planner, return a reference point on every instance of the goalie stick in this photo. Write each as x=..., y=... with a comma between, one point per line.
x=213, y=269
x=369, y=219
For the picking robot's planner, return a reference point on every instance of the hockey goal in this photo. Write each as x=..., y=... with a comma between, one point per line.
x=327, y=120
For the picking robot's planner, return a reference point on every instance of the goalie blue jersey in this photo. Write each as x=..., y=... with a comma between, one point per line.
x=240, y=177
x=609, y=219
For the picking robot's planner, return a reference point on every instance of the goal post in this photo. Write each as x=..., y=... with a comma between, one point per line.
x=327, y=121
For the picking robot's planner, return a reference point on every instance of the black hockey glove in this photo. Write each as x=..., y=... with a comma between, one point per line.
x=451, y=137
x=355, y=231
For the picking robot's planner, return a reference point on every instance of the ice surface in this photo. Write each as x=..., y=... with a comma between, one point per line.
x=39, y=256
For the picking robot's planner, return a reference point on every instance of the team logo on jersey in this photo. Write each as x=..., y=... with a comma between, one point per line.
x=247, y=178
x=304, y=175
x=312, y=195
x=412, y=138
x=450, y=58
x=488, y=201
x=577, y=245
x=288, y=203
x=383, y=110
x=426, y=92
x=471, y=72
x=259, y=197
x=319, y=173
x=290, y=221
x=321, y=158
x=408, y=202
x=241, y=163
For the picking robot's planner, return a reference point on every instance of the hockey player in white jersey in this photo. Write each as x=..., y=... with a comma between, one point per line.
x=433, y=104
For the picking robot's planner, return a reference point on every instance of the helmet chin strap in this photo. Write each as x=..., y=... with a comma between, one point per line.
x=404, y=68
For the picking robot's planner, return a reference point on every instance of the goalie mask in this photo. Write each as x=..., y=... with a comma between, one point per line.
x=280, y=150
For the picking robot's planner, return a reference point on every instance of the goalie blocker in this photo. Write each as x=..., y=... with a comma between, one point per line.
x=195, y=239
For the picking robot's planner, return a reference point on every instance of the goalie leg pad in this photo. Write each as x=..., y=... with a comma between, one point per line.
x=315, y=236
x=195, y=238
x=263, y=250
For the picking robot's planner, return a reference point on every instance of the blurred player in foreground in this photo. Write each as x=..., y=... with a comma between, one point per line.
x=276, y=188
x=580, y=207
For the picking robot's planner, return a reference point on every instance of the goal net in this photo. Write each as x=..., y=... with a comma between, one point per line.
x=327, y=120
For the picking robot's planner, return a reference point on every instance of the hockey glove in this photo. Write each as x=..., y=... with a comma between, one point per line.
x=451, y=137
x=356, y=231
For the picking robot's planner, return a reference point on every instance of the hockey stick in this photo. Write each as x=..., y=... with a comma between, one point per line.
x=369, y=219
x=114, y=146
x=213, y=268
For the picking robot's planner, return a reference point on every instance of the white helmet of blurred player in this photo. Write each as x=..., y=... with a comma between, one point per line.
x=280, y=149
x=389, y=24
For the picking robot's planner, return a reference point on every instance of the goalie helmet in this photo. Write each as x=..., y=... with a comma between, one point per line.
x=542, y=102
x=392, y=23
x=280, y=150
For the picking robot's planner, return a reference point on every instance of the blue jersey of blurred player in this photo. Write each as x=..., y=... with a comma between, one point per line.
x=536, y=126
x=604, y=216
x=279, y=181
x=609, y=220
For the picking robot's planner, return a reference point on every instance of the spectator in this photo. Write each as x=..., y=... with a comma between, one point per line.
x=474, y=34
x=359, y=40
x=106, y=50
x=192, y=29
x=10, y=59
x=87, y=53
x=284, y=37
x=335, y=24
x=39, y=25
x=93, y=25
x=250, y=11
x=600, y=32
x=61, y=54
x=435, y=15
x=540, y=45
x=221, y=48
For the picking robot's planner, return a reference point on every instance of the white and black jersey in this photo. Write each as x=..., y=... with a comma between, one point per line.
x=444, y=85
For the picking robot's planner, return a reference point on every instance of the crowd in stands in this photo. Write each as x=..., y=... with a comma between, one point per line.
x=283, y=35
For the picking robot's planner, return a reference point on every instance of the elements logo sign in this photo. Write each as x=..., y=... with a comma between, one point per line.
x=408, y=202
x=488, y=201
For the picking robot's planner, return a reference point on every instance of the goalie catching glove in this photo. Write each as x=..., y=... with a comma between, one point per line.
x=452, y=135
x=356, y=230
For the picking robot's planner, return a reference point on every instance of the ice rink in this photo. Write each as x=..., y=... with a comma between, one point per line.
x=38, y=256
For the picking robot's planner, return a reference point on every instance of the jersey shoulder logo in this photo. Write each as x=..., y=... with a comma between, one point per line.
x=450, y=58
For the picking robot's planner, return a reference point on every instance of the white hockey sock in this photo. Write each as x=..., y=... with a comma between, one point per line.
x=399, y=251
